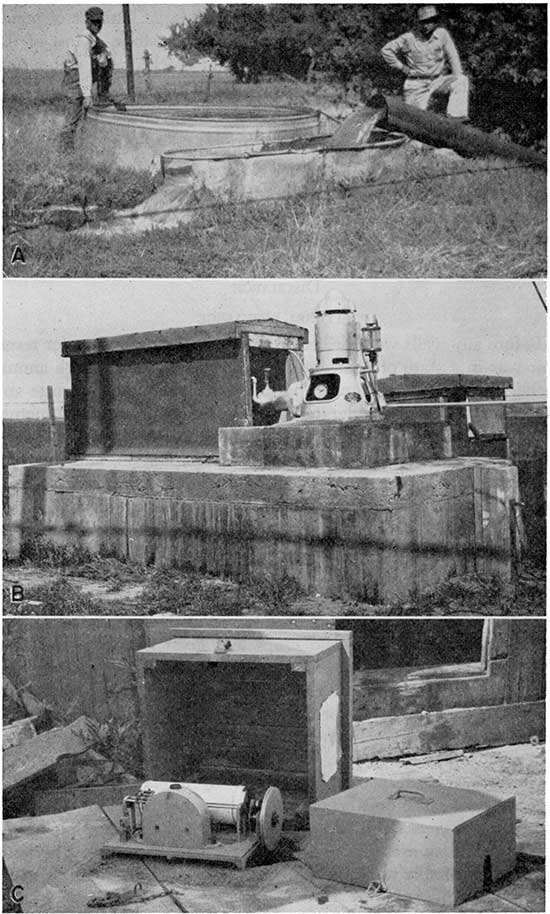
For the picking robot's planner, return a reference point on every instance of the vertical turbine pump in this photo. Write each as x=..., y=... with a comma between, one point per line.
x=343, y=382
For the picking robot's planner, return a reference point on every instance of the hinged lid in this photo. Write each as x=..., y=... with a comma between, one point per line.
x=426, y=802
x=228, y=649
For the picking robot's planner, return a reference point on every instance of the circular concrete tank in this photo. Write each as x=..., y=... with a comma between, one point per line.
x=132, y=138
x=174, y=159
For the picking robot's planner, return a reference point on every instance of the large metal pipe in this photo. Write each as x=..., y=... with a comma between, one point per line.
x=437, y=130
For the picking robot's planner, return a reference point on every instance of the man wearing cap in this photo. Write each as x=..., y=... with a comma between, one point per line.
x=428, y=58
x=85, y=58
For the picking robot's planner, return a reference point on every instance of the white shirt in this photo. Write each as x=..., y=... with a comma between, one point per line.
x=79, y=52
x=429, y=57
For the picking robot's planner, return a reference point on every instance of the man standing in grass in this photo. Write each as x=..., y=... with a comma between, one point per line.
x=86, y=58
x=429, y=60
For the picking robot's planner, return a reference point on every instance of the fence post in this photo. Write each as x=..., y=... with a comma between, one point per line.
x=53, y=428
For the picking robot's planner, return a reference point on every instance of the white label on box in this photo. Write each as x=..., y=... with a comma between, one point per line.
x=330, y=736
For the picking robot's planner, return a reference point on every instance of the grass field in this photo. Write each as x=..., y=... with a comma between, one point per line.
x=433, y=224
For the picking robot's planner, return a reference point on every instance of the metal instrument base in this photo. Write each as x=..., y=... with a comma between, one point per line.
x=237, y=853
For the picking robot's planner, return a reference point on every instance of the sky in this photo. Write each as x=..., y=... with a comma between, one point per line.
x=36, y=35
x=435, y=326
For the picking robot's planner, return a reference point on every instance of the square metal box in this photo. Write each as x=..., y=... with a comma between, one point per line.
x=257, y=707
x=418, y=838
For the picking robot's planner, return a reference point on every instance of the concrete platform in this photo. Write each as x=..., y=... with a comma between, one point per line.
x=352, y=444
x=372, y=534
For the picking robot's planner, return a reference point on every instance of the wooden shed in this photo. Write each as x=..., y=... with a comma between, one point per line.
x=166, y=392
x=476, y=430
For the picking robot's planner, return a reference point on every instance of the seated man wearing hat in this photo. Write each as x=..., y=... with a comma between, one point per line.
x=85, y=55
x=428, y=58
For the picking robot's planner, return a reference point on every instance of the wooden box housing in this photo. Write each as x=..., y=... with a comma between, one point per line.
x=273, y=708
x=167, y=392
x=479, y=431
x=418, y=838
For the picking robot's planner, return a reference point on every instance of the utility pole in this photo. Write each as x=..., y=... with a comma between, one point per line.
x=129, y=57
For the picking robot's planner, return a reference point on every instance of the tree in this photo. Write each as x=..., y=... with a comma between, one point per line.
x=503, y=47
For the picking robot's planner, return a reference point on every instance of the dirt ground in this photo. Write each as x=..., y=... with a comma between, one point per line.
x=110, y=587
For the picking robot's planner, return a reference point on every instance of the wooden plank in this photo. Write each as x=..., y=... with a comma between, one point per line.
x=266, y=631
x=412, y=734
x=240, y=650
x=47, y=802
x=57, y=859
x=271, y=341
x=96, y=657
x=157, y=630
x=37, y=755
x=236, y=853
x=54, y=443
x=407, y=383
x=181, y=336
x=18, y=732
x=498, y=638
x=392, y=692
x=246, y=378
x=69, y=424
x=324, y=681
x=526, y=663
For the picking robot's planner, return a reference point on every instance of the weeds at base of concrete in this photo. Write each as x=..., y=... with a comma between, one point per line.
x=478, y=595
x=188, y=592
x=175, y=591
x=46, y=553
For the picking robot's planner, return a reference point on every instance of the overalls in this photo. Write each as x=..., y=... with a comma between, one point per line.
x=72, y=90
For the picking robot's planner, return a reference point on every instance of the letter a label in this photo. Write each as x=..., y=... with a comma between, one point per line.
x=17, y=255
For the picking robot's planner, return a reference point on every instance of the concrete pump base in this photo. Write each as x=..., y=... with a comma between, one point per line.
x=372, y=534
x=353, y=444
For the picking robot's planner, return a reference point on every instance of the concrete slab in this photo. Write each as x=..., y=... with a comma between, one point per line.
x=372, y=534
x=352, y=444
x=526, y=891
x=57, y=861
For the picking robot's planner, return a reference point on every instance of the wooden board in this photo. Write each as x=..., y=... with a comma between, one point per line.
x=182, y=336
x=410, y=734
x=55, y=801
x=236, y=853
x=77, y=666
x=409, y=383
x=277, y=629
x=37, y=755
x=286, y=651
x=57, y=860
x=18, y=732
